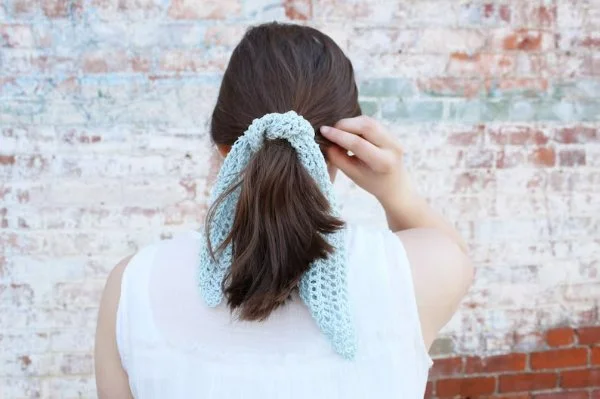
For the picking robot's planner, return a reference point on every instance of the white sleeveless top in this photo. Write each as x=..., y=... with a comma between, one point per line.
x=173, y=346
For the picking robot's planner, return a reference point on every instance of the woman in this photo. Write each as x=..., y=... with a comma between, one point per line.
x=279, y=298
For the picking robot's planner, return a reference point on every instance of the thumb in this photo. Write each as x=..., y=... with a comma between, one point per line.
x=351, y=166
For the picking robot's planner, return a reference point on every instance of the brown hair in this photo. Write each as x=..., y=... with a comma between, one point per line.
x=281, y=215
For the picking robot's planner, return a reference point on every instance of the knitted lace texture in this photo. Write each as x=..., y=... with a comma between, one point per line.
x=323, y=288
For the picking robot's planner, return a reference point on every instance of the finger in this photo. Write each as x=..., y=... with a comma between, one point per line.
x=351, y=166
x=361, y=148
x=366, y=127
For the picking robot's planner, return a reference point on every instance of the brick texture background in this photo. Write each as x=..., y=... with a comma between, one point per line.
x=103, y=148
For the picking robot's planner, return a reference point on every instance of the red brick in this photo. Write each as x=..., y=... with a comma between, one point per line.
x=21, y=7
x=429, y=390
x=478, y=65
x=578, y=41
x=591, y=42
x=446, y=367
x=517, y=135
x=527, y=382
x=100, y=61
x=488, y=10
x=494, y=13
x=531, y=14
x=563, y=395
x=473, y=181
x=465, y=386
x=524, y=40
x=7, y=159
x=56, y=8
x=580, y=378
x=560, y=358
x=492, y=364
x=577, y=134
x=595, y=358
x=543, y=157
x=572, y=158
x=298, y=9
x=543, y=16
x=511, y=396
x=462, y=56
x=489, y=13
x=466, y=138
x=504, y=12
x=563, y=336
x=588, y=335
x=3, y=224
x=595, y=394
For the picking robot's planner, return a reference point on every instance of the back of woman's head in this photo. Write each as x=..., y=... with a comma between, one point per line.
x=282, y=217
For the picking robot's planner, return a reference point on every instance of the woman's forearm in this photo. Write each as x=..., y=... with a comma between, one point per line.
x=415, y=212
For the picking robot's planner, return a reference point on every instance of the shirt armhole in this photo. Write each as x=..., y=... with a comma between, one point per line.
x=122, y=328
x=132, y=310
x=406, y=284
x=121, y=320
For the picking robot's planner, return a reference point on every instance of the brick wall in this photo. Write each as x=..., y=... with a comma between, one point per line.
x=566, y=365
x=103, y=148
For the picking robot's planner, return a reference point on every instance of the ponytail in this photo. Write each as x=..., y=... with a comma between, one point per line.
x=278, y=230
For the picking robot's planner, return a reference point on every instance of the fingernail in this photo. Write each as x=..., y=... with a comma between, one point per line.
x=325, y=129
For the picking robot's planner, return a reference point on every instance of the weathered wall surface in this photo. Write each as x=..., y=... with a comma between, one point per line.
x=103, y=148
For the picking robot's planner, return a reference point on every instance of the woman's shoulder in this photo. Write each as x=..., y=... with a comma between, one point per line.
x=178, y=245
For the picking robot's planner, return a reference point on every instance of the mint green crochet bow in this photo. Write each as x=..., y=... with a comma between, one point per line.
x=323, y=288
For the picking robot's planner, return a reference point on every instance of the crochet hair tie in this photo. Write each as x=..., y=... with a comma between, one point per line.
x=323, y=288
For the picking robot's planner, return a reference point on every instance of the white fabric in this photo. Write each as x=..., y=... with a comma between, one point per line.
x=174, y=346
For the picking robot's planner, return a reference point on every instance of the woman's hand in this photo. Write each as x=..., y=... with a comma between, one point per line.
x=377, y=163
